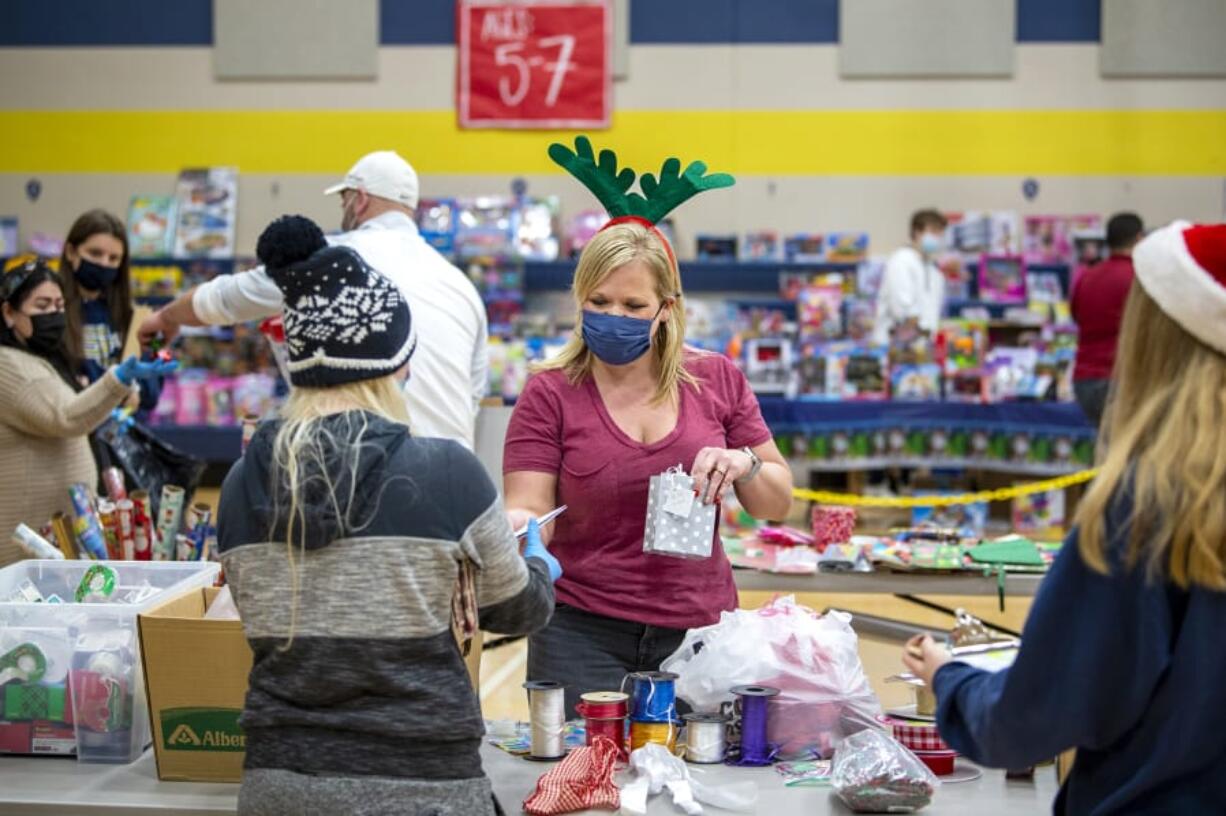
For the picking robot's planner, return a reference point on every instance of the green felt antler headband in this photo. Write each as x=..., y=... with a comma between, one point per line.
x=611, y=186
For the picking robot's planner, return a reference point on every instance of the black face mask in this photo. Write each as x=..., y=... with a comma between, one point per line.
x=48, y=333
x=96, y=277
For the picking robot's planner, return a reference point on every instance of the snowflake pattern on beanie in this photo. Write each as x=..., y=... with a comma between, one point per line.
x=344, y=321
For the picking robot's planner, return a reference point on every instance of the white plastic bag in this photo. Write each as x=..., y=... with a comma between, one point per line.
x=874, y=773
x=656, y=770
x=812, y=659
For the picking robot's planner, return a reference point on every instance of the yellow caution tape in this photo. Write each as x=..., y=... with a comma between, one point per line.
x=1001, y=494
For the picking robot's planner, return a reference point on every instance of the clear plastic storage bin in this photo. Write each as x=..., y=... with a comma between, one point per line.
x=82, y=681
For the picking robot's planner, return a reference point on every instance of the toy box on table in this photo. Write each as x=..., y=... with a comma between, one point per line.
x=71, y=671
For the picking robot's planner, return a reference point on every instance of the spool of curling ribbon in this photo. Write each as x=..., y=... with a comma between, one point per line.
x=706, y=738
x=547, y=713
x=654, y=697
x=653, y=710
x=663, y=733
x=604, y=715
x=750, y=704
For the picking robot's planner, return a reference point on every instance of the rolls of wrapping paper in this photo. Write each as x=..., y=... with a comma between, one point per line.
x=250, y=423
x=65, y=539
x=112, y=477
x=106, y=519
x=125, y=527
x=89, y=532
x=142, y=526
x=199, y=513
x=35, y=545
x=170, y=520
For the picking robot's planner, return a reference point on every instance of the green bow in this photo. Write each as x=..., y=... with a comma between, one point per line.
x=611, y=186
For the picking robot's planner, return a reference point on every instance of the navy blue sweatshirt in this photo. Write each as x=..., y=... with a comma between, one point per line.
x=103, y=348
x=1127, y=670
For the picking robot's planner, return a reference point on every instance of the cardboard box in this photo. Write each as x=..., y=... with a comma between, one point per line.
x=196, y=678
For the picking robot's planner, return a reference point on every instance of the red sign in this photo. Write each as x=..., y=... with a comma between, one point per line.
x=535, y=63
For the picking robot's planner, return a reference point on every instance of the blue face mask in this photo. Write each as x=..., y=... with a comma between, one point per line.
x=615, y=339
x=931, y=243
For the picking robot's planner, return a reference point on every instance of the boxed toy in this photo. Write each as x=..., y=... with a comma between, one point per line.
x=1002, y=279
x=151, y=226
x=716, y=247
x=819, y=310
x=920, y=382
x=437, y=221
x=805, y=248
x=535, y=225
x=846, y=247
x=485, y=227
x=206, y=207
x=761, y=246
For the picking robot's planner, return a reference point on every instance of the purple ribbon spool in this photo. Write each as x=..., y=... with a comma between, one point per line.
x=751, y=702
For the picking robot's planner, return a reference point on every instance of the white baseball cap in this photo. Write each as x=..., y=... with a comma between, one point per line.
x=384, y=174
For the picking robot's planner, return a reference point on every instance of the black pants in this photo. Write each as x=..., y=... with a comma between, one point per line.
x=1092, y=397
x=589, y=652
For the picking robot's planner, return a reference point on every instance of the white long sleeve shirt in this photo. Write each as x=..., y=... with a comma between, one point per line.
x=910, y=288
x=449, y=371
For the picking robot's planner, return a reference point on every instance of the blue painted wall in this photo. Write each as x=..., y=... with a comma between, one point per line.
x=432, y=22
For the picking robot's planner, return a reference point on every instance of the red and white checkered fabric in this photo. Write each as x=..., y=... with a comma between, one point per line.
x=582, y=781
x=918, y=736
x=833, y=524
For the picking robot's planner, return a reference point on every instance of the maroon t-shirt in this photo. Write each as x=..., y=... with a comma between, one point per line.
x=603, y=476
x=1099, y=295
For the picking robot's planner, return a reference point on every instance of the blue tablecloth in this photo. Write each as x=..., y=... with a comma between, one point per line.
x=801, y=416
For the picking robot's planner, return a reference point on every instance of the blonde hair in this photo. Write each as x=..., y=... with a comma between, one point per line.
x=610, y=250
x=304, y=446
x=1164, y=434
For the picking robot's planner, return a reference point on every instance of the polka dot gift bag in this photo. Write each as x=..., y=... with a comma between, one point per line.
x=678, y=523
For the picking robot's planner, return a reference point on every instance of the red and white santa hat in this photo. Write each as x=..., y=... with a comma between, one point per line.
x=1183, y=268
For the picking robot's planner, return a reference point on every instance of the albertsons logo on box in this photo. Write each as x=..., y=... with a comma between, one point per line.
x=202, y=729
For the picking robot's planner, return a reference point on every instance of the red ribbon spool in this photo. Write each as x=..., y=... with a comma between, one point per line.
x=604, y=715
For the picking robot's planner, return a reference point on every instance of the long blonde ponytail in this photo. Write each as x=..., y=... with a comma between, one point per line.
x=304, y=444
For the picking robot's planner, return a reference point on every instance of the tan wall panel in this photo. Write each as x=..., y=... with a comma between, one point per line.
x=880, y=205
x=661, y=78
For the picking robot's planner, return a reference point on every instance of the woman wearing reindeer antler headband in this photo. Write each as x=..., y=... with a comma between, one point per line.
x=624, y=401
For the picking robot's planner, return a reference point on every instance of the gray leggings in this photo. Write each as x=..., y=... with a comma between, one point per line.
x=269, y=792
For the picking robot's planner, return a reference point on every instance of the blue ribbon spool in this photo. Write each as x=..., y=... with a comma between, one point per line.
x=654, y=698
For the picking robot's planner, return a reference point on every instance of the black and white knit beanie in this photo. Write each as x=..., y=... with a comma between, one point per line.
x=344, y=322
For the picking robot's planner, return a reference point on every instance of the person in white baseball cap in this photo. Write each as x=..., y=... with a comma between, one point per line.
x=378, y=199
x=378, y=182
x=1122, y=656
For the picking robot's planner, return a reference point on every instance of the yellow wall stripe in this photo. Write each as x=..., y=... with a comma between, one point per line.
x=764, y=142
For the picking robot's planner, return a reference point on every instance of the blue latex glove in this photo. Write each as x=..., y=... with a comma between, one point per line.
x=132, y=369
x=535, y=548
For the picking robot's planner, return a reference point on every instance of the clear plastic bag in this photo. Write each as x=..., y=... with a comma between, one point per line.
x=812, y=659
x=874, y=773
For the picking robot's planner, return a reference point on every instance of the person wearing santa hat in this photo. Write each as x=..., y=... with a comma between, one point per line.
x=1122, y=655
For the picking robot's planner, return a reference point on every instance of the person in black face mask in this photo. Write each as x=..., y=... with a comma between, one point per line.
x=98, y=299
x=46, y=414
